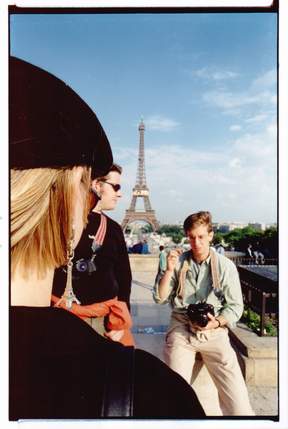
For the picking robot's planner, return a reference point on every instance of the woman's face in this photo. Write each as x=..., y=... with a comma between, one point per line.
x=106, y=189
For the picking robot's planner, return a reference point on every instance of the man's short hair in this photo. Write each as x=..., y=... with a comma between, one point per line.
x=114, y=167
x=197, y=219
x=117, y=168
x=161, y=248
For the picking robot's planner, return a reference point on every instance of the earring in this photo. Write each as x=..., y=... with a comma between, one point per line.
x=69, y=296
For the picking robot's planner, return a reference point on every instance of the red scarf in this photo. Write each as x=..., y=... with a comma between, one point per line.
x=118, y=315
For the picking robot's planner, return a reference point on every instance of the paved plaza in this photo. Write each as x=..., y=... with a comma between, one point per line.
x=150, y=321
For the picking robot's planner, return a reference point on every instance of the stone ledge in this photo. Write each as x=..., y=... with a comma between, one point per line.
x=251, y=345
x=259, y=372
x=140, y=263
x=257, y=356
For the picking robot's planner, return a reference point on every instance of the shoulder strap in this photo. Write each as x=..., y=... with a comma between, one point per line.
x=182, y=277
x=119, y=384
x=100, y=234
x=214, y=270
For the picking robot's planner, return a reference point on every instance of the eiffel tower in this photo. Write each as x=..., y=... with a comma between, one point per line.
x=140, y=190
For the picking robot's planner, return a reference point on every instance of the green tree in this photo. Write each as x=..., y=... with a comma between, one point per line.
x=270, y=242
x=147, y=228
x=240, y=238
x=218, y=237
x=174, y=231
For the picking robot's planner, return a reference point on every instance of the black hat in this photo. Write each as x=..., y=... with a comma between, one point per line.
x=50, y=125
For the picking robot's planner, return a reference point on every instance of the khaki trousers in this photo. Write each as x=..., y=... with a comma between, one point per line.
x=219, y=357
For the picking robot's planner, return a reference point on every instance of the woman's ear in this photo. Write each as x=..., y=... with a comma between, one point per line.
x=96, y=185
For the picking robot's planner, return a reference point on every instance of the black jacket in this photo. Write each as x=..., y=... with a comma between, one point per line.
x=57, y=364
x=113, y=274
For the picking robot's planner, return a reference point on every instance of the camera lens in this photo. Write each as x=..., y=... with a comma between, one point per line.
x=81, y=266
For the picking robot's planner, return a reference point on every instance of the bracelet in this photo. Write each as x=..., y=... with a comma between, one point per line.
x=219, y=324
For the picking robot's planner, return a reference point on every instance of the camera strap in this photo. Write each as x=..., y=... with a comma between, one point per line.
x=214, y=270
x=185, y=268
x=182, y=277
x=100, y=234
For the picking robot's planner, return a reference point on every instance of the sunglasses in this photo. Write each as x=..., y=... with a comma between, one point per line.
x=92, y=197
x=116, y=187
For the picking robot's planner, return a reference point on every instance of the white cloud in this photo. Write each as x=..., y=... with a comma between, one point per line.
x=224, y=75
x=266, y=80
x=272, y=130
x=213, y=74
x=256, y=149
x=235, y=127
x=257, y=118
x=182, y=180
x=160, y=123
x=235, y=163
x=261, y=93
x=231, y=100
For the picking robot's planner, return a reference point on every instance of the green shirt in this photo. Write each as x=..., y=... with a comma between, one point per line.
x=162, y=261
x=198, y=287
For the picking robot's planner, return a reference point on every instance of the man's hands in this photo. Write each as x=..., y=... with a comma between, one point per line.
x=212, y=324
x=172, y=259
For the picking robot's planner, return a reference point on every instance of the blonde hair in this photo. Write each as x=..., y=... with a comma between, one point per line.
x=41, y=216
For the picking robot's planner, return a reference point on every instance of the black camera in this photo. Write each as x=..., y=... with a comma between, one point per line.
x=198, y=313
x=85, y=266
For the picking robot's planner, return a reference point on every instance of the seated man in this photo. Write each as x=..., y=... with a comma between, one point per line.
x=202, y=275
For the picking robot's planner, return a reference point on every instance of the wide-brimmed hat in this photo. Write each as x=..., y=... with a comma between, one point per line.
x=50, y=125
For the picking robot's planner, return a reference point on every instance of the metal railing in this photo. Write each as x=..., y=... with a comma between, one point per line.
x=244, y=260
x=260, y=292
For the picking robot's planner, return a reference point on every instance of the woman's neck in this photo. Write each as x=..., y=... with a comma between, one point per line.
x=30, y=290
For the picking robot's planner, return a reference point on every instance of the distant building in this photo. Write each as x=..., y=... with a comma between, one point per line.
x=228, y=226
x=225, y=227
x=221, y=227
x=271, y=225
x=235, y=225
x=258, y=226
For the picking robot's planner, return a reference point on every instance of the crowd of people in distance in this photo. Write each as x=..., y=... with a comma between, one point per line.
x=255, y=254
x=141, y=248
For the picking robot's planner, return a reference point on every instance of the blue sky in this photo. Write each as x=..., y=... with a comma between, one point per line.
x=205, y=85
